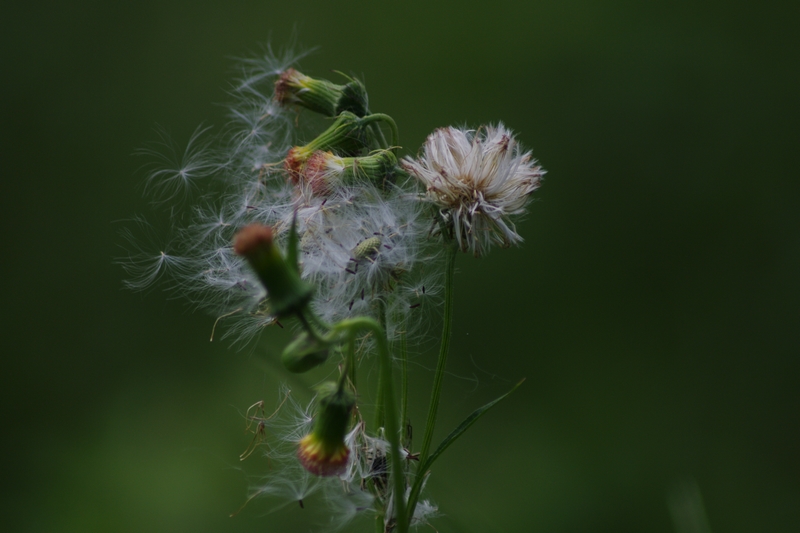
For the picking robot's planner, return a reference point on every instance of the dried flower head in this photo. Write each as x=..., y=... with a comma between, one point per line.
x=478, y=180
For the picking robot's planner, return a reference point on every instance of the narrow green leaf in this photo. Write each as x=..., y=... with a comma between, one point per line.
x=450, y=439
x=456, y=433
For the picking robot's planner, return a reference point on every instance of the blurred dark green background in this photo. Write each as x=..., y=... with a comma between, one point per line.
x=653, y=307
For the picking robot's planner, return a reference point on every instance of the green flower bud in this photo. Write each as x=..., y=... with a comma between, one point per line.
x=353, y=99
x=321, y=96
x=304, y=353
x=346, y=136
x=288, y=294
x=324, y=170
x=323, y=452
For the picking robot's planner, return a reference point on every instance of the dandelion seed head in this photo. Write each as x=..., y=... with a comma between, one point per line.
x=478, y=180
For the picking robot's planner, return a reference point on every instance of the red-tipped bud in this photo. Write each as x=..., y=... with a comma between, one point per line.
x=345, y=136
x=324, y=171
x=321, y=458
x=321, y=96
x=252, y=238
x=323, y=452
x=287, y=293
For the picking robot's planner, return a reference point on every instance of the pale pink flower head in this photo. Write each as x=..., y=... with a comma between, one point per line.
x=478, y=179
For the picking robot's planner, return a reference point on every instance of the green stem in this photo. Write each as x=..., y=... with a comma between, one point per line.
x=379, y=136
x=382, y=117
x=404, y=390
x=380, y=408
x=378, y=132
x=392, y=425
x=317, y=321
x=443, y=351
x=440, y=366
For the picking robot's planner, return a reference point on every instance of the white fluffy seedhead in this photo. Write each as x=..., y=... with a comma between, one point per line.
x=360, y=238
x=359, y=246
x=478, y=180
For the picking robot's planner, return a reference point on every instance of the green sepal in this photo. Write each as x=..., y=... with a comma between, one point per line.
x=336, y=404
x=353, y=99
x=322, y=96
x=378, y=167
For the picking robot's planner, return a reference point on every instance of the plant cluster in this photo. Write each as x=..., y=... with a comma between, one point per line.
x=347, y=239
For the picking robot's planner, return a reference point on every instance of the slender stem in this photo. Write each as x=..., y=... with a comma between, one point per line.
x=317, y=321
x=380, y=408
x=392, y=425
x=306, y=326
x=438, y=376
x=443, y=350
x=382, y=117
x=404, y=390
x=380, y=137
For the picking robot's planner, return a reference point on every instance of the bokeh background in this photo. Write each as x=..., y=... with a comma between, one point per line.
x=653, y=308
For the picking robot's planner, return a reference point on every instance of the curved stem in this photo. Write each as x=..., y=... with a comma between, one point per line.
x=378, y=132
x=317, y=321
x=392, y=426
x=382, y=117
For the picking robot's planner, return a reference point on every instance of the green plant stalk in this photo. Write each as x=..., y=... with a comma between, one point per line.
x=377, y=132
x=380, y=408
x=317, y=321
x=404, y=390
x=443, y=350
x=381, y=117
x=392, y=425
x=379, y=136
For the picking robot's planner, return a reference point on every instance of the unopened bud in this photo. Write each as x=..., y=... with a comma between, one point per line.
x=323, y=452
x=288, y=294
x=324, y=170
x=321, y=96
x=346, y=136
